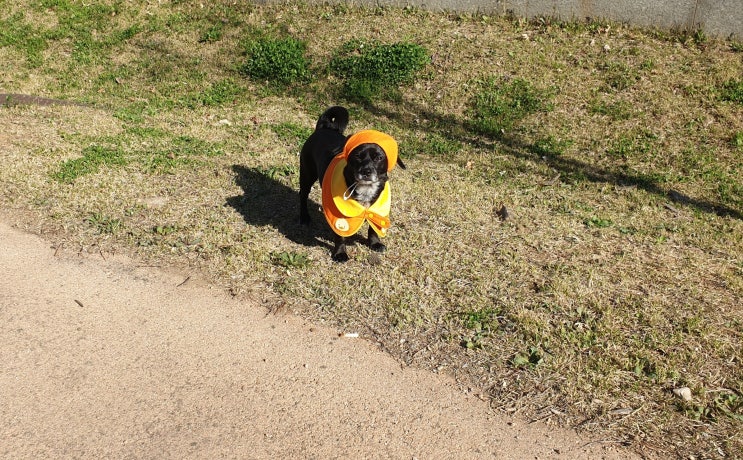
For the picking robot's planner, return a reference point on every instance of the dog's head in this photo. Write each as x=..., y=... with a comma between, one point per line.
x=366, y=164
x=370, y=155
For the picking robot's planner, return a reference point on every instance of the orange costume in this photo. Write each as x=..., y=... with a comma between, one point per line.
x=346, y=215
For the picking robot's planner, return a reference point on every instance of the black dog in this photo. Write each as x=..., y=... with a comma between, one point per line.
x=364, y=177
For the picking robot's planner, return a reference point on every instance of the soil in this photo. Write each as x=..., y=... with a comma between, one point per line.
x=104, y=358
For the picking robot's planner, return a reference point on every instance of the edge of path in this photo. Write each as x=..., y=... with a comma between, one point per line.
x=105, y=358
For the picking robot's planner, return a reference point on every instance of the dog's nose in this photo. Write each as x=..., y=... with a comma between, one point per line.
x=366, y=171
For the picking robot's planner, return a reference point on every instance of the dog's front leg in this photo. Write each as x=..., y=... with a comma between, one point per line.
x=375, y=242
x=339, y=252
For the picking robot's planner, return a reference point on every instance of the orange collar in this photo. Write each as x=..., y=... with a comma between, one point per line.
x=344, y=215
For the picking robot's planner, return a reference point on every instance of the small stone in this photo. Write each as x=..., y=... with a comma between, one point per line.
x=683, y=393
x=155, y=202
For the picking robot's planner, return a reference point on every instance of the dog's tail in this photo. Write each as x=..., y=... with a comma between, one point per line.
x=335, y=118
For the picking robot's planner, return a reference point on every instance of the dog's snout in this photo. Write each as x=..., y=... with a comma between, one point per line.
x=366, y=170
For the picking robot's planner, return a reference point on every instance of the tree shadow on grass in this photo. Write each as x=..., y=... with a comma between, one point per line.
x=268, y=201
x=456, y=129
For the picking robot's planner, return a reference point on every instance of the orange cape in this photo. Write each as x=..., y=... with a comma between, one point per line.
x=344, y=215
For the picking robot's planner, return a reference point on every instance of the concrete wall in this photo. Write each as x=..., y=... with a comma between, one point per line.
x=722, y=18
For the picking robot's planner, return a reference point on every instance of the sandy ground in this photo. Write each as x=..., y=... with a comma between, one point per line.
x=106, y=359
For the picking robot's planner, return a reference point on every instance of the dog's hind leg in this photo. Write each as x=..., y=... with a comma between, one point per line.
x=307, y=177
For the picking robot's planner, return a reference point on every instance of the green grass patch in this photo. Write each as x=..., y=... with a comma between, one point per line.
x=15, y=32
x=737, y=140
x=292, y=134
x=219, y=93
x=501, y=104
x=732, y=91
x=212, y=34
x=617, y=110
x=277, y=61
x=618, y=76
x=551, y=146
x=370, y=69
x=94, y=157
x=433, y=144
x=177, y=152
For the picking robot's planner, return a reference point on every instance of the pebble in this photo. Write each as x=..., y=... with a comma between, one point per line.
x=683, y=393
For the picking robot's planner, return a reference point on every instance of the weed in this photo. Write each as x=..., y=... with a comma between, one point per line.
x=164, y=230
x=727, y=404
x=104, y=224
x=135, y=112
x=279, y=62
x=147, y=132
x=500, y=104
x=643, y=367
x=731, y=405
x=485, y=319
x=533, y=357
x=277, y=172
x=597, y=222
x=290, y=259
x=212, y=34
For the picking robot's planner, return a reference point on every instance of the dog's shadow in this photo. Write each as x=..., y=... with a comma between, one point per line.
x=268, y=201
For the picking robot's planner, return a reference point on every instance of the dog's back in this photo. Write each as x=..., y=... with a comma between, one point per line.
x=318, y=151
x=325, y=142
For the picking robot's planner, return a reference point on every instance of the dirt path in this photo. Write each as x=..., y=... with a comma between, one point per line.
x=104, y=359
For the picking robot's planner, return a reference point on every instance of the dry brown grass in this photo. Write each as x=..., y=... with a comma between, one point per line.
x=616, y=278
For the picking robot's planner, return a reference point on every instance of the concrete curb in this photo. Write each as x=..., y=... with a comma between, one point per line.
x=721, y=18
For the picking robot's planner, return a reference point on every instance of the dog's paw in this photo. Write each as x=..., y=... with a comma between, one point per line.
x=378, y=247
x=340, y=257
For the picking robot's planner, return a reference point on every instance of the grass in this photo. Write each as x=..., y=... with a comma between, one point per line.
x=276, y=61
x=371, y=69
x=500, y=104
x=615, y=278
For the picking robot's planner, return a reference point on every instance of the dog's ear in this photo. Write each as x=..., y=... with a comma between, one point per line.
x=400, y=163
